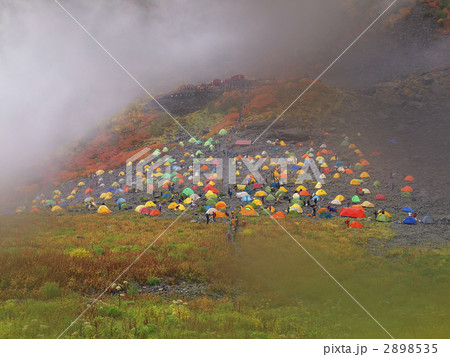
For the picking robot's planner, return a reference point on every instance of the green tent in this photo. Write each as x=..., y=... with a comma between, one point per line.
x=192, y=140
x=358, y=166
x=345, y=143
x=188, y=191
x=198, y=142
x=198, y=153
x=356, y=199
x=213, y=197
x=294, y=213
x=165, y=176
x=270, y=198
x=279, y=193
x=165, y=149
x=181, y=143
x=176, y=179
x=249, y=190
x=267, y=189
x=405, y=194
x=377, y=184
x=166, y=195
x=325, y=214
x=297, y=201
x=210, y=202
x=124, y=206
x=383, y=218
x=223, y=132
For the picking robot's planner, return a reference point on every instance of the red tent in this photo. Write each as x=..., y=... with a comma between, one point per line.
x=155, y=212
x=355, y=224
x=145, y=210
x=380, y=197
x=256, y=186
x=326, y=170
x=352, y=212
x=278, y=215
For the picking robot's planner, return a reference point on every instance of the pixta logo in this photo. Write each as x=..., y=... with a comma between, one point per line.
x=157, y=171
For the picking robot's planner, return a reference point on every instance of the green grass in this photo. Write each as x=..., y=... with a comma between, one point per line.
x=271, y=288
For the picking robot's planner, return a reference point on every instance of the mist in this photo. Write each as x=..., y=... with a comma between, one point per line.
x=56, y=83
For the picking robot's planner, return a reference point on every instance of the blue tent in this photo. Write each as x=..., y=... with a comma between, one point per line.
x=79, y=196
x=119, y=190
x=246, y=198
x=319, y=198
x=63, y=204
x=295, y=168
x=110, y=189
x=392, y=141
x=339, y=163
x=121, y=200
x=208, y=207
x=409, y=220
x=407, y=209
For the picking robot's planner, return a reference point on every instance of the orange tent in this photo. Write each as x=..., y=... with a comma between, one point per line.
x=355, y=224
x=278, y=215
x=407, y=189
x=304, y=193
x=248, y=212
x=321, y=210
x=348, y=171
x=204, y=167
x=409, y=178
x=358, y=207
x=155, y=212
x=365, y=162
x=220, y=214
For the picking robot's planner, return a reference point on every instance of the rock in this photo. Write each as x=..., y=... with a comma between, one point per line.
x=427, y=80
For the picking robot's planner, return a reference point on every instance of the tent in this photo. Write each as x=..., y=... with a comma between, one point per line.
x=138, y=208
x=383, y=218
x=356, y=199
x=427, y=220
x=407, y=209
x=246, y=198
x=409, y=220
x=380, y=197
x=145, y=210
x=150, y=204
x=121, y=200
x=355, y=224
x=407, y=189
x=56, y=209
x=223, y=132
x=367, y=204
x=221, y=205
x=278, y=215
x=325, y=214
x=155, y=212
x=377, y=184
x=352, y=212
x=103, y=209
x=336, y=202
x=409, y=178
x=248, y=212
x=406, y=194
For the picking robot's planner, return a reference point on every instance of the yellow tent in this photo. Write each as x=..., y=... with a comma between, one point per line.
x=336, y=175
x=104, y=194
x=241, y=187
x=200, y=184
x=103, y=209
x=355, y=182
x=180, y=208
x=324, y=165
x=364, y=175
x=172, y=205
x=260, y=194
x=366, y=190
x=257, y=202
x=352, y=146
x=282, y=143
x=367, y=204
x=265, y=167
x=81, y=183
x=340, y=198
x=318, y=185
x=138, y=208
x=301, y=188
x=321, y=193
x=333, y=158
x=187, y=201
x=221, y=205
x=150, y=204
x=121, y=173
x=56, y=208
x=296, y=207
x=283, y=189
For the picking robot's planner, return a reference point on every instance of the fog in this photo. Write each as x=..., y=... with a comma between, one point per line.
x=56, y=83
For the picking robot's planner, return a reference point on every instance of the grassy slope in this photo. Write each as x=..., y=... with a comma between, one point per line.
x=283, y=293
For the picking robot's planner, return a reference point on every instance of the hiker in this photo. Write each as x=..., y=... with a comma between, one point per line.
x=375, y=213
x=347, y=222
x=229, y=236
x=230, y=193
x=244, y=223
x=314, y=211
x=207, y=218
x=159, y=207
x=214, y=216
